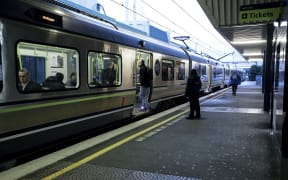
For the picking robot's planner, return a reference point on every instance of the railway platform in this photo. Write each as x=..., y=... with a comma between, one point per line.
x=232, y=141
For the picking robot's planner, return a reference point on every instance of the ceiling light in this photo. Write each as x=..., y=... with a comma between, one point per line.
x=275, y=23
x=283, y=23
x=255, y=59
x=248, y=42
x=252, y=54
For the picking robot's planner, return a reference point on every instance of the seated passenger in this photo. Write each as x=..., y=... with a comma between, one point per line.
x=72, y=82
x=109, y=75
x=55, y=82
x=26, y=84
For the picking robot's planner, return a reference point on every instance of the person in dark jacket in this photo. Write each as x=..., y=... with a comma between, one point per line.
x=145, y=85
x=109, y=75
x=192, y=93
x=55, y=82
x=235, y=80
x=26, y=84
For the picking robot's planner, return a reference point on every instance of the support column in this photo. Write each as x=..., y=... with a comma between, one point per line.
x=267, y=71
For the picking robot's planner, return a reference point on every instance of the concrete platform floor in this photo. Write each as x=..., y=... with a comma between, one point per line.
x=231, y=141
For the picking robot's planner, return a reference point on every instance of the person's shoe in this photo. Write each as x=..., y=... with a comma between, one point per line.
x=197, y=117
x=189, y=118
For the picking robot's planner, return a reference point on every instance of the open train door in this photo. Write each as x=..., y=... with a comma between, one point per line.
x=147, y=58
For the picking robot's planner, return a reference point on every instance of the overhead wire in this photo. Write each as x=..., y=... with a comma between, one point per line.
x=196, y=20
x=145, y=17
x=208, y=47
x=195, y=38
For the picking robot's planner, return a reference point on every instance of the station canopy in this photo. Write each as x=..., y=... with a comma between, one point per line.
x=244, y=24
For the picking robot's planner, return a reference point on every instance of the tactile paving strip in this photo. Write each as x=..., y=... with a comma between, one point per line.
x=97, y=172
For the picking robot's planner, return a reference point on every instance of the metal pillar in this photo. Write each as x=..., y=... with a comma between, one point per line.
x=285, y=108
x=267, y=71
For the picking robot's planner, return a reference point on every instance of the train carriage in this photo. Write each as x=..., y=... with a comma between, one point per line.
x=48, y=40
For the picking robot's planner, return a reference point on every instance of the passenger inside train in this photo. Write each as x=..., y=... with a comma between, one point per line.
x=25, y=83
x=109, y=75
x=54, y=82
x=72, y=82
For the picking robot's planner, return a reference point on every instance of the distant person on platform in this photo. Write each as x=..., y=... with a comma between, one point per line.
x=235, y=80
x=26, y=84
x=192, y=93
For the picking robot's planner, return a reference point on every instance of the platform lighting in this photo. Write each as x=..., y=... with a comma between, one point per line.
x=255, y=59
x=283, y=24
x=248, y=42
x=280, y=24
x=252, y=54
x=59, y=12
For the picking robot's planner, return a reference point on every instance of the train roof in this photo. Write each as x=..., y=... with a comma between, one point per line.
x=45, y=13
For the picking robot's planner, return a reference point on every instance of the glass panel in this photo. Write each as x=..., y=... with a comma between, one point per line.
x=104, y=69
x=180, y=70
x=217, y=73
x=147, y=57
x=44, y=68
x=167, y=70
x=204, y=73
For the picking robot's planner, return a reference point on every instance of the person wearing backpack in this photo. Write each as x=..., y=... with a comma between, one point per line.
x=235, y=80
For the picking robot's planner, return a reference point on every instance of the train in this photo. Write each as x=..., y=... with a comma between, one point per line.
x=47, y=38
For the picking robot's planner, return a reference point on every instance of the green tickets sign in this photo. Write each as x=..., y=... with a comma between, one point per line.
x=260, y=15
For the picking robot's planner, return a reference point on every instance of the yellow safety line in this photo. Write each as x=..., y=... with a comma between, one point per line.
x=109, y=148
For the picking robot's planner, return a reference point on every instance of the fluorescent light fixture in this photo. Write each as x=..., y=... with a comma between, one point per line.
x=283, y=23
x=253, y=54
x=59, y=12
x=255, y=59
x=248, y=42
x=275, y=23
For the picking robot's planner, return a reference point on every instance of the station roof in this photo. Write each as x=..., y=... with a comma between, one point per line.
x=244, y=22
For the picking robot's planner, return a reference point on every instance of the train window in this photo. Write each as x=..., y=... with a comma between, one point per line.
x=180, y=70
x=104, y=70
x=197, y=67
x=45, y=68
x=217, y=73
x=167, y=70
x=204, y=73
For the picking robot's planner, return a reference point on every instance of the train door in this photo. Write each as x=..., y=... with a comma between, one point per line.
x=210, y=76
x=147, y=58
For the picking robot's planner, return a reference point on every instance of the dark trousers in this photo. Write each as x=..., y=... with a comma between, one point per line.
x=234, y=88
x=194, y=107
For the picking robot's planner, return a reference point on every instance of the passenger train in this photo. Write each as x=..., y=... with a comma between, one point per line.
x=47, y=39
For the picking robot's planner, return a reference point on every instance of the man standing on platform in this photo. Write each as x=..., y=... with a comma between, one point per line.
x=192, y=93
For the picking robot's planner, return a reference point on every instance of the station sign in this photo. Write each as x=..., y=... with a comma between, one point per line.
x=260, y=13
